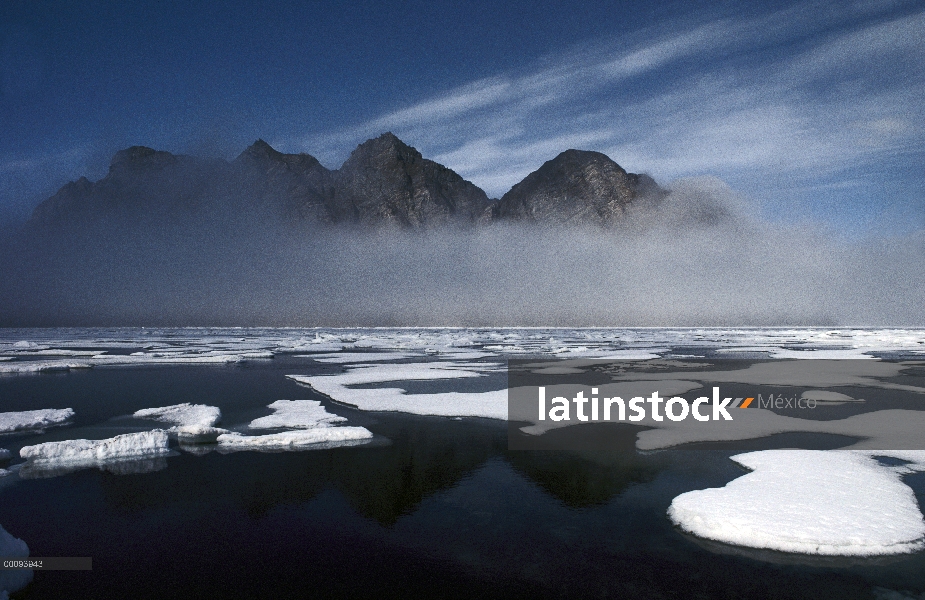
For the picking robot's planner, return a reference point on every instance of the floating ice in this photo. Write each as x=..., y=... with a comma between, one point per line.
x=229, y=345
x=144, y=444
x=190, y=420
x=812, y=502
x=15, y=579
x=42, y=366
x=4, y=454
x=33, y=419
x=296, y=414
x=357, y=357
x=491, y=404
x=178, y=357
x=317, y=437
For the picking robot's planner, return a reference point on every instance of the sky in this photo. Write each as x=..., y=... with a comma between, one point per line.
x=810, y=111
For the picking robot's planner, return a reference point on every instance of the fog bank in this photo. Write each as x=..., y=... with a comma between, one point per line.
x=699, y=259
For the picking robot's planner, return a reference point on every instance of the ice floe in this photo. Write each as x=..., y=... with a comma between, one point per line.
x=145, y=444
x=296, y=414
x=311, y=427
x=812, y=502
x=301, y=438
x=42, y=366
x=13, y=580
x=28, y=420
x=491, y=404
x=189, y=420
x=357, y=357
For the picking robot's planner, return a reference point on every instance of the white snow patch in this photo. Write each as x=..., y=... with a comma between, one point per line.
x=811, y=502
x=296, y=414
x=288, y=440
x=91, y=452
x=491, y=404
x=33, y=419
x=188, y=419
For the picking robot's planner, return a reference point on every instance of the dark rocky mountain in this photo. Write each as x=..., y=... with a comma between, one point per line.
x=576, y=187
x=387, y=181
x=294, y=186
x=383, y=182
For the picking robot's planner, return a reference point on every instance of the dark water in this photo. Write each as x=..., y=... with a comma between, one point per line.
x=436, y=508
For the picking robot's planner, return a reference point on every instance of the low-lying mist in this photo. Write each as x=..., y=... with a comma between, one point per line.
x=700, y=258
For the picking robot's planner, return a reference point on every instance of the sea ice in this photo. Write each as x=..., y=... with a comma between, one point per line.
x=492, y=404
x=91, y=452
x=33, y=419
x=296, y=414
x=832, y=502
x=356, y=357
x=301, y=438
x=192, y=420
x=13, y=580
x=41, y=366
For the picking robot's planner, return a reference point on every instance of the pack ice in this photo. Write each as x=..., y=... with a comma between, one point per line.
x=189, y=420
x=33, y=419
x=830, y=502
x=92, y=452
x=311, y=426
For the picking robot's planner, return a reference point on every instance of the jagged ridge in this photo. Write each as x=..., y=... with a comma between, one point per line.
x=384, y=181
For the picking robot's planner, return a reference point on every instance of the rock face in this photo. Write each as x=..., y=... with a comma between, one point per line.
x=576, y=187
x=384, y=182
x=295, y=186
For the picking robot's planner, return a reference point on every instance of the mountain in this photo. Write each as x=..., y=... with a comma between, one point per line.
x=576, y=187
x=294, y=186
x=141, y=183
x=387, y=181
x=383, y=182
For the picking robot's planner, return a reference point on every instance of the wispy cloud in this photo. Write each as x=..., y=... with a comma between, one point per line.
x=780, y=99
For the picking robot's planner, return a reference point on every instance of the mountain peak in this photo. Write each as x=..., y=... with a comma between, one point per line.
x=260, y=149
x=385, y=147
x=577, y=186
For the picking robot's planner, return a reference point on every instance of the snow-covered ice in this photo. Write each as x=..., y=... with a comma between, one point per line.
x=301, y=438
x=296, y=414
x=189, y=420
x=491, y=404
x=143, y=444
x=831, y=502
x=357, y=357
x=42, y=366
x=34, y=419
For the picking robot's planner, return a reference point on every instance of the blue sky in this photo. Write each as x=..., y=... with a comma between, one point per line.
x=810, y=110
